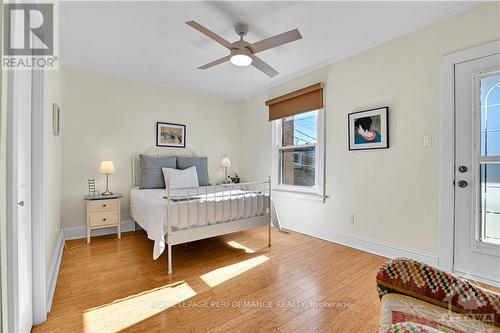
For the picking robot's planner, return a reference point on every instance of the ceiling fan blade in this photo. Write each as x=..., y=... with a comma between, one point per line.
x=210, y=34
x=262, y=66
x=215, y=62
x=274, y=41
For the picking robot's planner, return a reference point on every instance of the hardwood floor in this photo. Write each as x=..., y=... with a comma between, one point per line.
x=232, y=283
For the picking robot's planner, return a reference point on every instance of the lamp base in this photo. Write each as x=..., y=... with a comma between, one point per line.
x=107, y=192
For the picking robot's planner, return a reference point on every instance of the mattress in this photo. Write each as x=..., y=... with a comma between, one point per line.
x=204, y=206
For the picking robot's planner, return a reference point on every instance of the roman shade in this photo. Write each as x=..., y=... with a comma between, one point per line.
x=300, y=101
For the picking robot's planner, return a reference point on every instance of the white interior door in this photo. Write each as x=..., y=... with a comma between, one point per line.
x=19, y=203
x=477, y=172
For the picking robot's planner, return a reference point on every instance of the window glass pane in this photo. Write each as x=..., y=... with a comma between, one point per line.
x=490, y=201
x=490, y=116
x=297, y=166
x=299, y=129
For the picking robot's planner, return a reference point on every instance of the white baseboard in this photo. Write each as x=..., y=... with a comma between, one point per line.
x=81, y=231
x=370, y=245
x=358, y=242
x=53, y=272
x=492, y=281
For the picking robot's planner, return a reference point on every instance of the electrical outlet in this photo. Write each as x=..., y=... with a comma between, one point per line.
x=427, y=140
x=351, y=219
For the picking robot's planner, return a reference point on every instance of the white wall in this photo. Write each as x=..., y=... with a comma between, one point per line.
x=110, y=118
x=393, y=193
x=52, y=168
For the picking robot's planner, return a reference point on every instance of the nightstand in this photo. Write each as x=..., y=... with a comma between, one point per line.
x=103, y=212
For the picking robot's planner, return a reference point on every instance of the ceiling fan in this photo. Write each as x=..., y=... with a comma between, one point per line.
x=243, y=53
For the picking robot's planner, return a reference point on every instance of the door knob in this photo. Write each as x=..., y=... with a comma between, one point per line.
x=21, y=203
x=462, y=168
x=462, y=183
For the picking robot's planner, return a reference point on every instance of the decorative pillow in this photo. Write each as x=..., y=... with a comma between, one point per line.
x=180, y=178
x=201, y=164
x=151, y=175
x=424, y=282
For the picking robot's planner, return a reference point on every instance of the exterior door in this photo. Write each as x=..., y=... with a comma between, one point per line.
x=477, y=169
x=19, y=203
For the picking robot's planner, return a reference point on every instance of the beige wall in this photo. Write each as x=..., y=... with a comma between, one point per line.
x=52, y=168
x=111, y=118
x=393, y=193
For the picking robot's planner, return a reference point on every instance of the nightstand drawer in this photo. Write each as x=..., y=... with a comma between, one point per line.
x=103, y=205
x=103, y=218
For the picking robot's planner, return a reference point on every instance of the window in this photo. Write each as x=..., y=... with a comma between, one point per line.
x=297, y=153
x=298, y=139
x=297, y=149
x=490, y=158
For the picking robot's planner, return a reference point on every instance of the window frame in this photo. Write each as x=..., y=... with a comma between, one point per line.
x=319, y=185
x=480, y=243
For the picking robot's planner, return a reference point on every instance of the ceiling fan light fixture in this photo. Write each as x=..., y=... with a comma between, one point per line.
x=241, y=60
x=242, y=53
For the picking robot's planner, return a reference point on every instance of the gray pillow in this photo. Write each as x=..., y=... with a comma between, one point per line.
x=151, y=174
x=201, y=164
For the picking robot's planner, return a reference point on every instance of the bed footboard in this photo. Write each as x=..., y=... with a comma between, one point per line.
x=204, y=212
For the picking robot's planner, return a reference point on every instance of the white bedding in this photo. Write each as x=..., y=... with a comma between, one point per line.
x=212, y=205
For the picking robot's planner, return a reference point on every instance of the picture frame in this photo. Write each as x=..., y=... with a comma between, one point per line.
x=368, y=129
x=56, y=122
x=170, y=135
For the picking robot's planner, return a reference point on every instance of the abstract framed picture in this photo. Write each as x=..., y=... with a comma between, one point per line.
x=369, y=129
x=170, y=135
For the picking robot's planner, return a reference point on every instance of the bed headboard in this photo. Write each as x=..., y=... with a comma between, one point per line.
x=156, y=152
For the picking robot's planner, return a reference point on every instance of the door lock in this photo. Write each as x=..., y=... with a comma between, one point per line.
x=462, y=168
x=462, y=183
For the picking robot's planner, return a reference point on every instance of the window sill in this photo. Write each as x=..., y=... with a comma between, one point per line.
x=298, y=194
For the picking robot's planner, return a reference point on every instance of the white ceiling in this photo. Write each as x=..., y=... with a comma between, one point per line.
x=148, y=41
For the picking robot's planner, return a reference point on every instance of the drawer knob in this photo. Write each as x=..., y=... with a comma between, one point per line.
x=104, y=205
x=104, y=219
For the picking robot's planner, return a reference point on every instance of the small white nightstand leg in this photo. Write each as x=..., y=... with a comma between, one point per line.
x=119, y=220
x=88, y=223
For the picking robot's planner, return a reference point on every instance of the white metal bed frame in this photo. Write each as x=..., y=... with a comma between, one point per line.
x=185, y=196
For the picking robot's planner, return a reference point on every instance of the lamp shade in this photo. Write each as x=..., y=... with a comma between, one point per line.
x=225, y=162
x=107, y=167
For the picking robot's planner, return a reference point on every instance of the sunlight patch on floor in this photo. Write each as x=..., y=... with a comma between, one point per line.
x=225, y=273
x=240, y=246
x=126, y=312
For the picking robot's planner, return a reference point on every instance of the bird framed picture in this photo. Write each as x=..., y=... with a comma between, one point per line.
x=170, y=135
x=369, y=129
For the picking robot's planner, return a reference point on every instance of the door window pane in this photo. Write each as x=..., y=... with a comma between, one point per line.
x=490, y=115
x=490, y=201
x=299, y=129
x=297, y=166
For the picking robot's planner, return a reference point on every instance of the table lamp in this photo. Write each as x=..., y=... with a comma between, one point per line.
x=107, y=167
x=225, y=163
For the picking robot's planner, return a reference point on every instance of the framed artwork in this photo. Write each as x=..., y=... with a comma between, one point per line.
x=369, y=129
x=56, y=121
x=170, y=135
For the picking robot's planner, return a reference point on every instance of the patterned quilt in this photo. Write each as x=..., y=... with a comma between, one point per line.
x=400, y=314
x=432, y=285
